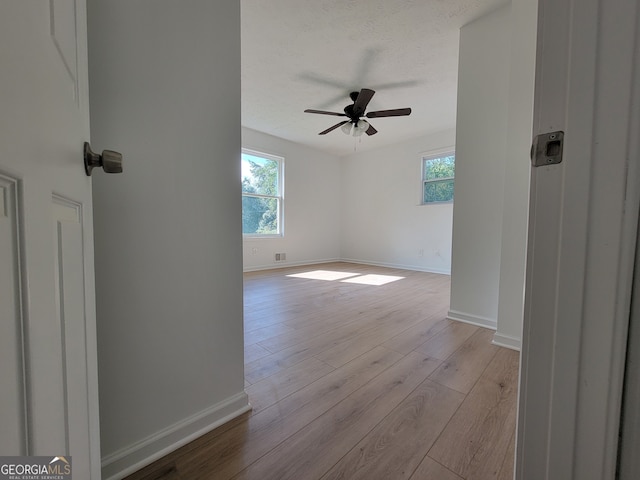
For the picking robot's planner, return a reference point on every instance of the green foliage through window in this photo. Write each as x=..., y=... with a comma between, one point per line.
x=438, y=178
x=261, y=195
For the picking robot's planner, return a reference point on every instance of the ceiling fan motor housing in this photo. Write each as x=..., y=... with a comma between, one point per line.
x=348, y=110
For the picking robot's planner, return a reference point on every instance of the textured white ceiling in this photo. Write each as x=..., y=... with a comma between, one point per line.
x=299, y=54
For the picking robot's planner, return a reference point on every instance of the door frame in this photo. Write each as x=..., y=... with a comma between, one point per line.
x=582, y=236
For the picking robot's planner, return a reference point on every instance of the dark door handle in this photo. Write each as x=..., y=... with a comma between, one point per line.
x=110, y=161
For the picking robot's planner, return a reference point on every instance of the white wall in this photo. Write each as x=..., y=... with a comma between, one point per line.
x=167, y=230
x=312, y=206
x=515, y=213
x=383, y=222
x=481, y=139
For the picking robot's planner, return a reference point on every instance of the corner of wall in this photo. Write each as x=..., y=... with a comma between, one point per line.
x=472, y=319
x=507, y=341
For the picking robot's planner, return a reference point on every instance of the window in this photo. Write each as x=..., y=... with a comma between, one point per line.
x=261, y=194
x=437, y=177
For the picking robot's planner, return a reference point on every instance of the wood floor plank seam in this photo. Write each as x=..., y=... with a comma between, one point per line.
x=440, y=434
x=475, y=382
x=443, y=466
x=266, y=348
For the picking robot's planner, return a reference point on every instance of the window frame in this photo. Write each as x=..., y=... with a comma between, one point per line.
x=279, y=198
x=433, y=155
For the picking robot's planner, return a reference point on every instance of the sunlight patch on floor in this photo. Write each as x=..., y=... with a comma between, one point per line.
x=324, y=275
x=347, y=277
x=373, y=279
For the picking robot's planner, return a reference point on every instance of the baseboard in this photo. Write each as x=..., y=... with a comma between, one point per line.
x=400, y=266
x=472, y=319
x=130, y=459
x=514, y=343
x=286, y=264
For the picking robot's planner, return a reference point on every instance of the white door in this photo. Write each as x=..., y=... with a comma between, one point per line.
x=48, y=362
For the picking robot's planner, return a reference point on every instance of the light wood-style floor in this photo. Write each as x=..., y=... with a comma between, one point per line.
x=354, y=372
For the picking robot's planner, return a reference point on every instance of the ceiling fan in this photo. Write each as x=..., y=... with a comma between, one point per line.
x=354, y=113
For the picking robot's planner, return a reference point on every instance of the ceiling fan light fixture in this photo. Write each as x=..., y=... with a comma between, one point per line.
x=360, y=127
x=346, y=128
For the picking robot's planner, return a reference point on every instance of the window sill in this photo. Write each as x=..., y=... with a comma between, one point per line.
x=249, y=236
x=448, y=202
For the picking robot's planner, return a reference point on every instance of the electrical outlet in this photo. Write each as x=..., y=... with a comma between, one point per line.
x=421, y=252
x=254, y=251
x=280, y=257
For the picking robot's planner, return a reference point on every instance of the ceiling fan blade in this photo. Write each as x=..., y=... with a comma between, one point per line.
x=334, y=127
x=360, y=105
x=322, y=112
x=371, y=130
x=396, y=112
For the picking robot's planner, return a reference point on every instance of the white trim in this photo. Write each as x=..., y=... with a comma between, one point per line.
x=437, y=151
x=261, y=154
x=472, y=319
x=400, y=266
x=507, y=341
x=130, y=459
